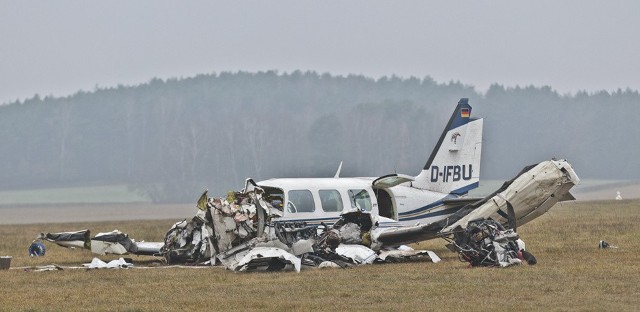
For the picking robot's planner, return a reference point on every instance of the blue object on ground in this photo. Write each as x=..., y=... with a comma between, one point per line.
x=37, y=249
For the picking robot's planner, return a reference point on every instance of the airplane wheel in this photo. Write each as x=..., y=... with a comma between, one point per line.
x=527, y=256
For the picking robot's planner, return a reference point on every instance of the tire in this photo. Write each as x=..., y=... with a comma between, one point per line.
x=530, y=258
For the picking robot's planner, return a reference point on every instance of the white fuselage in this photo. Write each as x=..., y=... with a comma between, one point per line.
x=315, y=200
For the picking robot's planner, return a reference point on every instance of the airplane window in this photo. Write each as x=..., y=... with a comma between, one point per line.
x=361, y=199
x=331, y=200
x=274, y=196
x=300, y=201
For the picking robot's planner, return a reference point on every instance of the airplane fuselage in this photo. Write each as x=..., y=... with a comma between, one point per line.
x=452, y=169
x=315, y=200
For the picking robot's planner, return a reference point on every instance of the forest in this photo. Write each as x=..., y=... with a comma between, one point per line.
x=172, y=138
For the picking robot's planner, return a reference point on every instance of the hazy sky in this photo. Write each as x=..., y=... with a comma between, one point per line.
x=60, y=47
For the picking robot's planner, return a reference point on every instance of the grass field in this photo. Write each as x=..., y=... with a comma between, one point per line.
x=77, y=195
x=571, y=274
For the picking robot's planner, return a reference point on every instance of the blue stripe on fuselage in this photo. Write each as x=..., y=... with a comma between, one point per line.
x=453, y=194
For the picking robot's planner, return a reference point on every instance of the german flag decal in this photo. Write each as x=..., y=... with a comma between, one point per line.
x=465, y=112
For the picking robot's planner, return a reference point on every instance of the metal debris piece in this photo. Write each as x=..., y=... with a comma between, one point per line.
x=114, y=242
x=488, y=243
x=267, y=259
x=405, y=252
x=77, y=239
x=113, y=264
x=357, y=253
x=604, y=245
x=45, y=268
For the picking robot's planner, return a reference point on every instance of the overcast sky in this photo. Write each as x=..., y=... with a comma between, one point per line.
x=60, y=47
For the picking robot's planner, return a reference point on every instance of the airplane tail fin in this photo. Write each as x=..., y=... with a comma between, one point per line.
x=454, y=164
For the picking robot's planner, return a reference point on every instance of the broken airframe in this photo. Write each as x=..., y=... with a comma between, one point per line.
x=243, y=231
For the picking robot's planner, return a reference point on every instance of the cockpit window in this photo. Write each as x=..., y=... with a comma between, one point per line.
x=300, y=201
x=274, y=196
x=331, y=200
x=360, y=199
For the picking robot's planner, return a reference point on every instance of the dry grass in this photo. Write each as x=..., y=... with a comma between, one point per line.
x=572, y=274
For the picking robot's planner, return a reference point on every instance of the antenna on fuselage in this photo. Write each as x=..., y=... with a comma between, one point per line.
x=338, y=172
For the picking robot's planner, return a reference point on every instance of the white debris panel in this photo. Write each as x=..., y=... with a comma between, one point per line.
x=113, y=264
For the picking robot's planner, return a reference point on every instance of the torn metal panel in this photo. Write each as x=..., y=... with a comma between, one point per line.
x=351, y=234
x=267, y=259
x=113, y=264
x=329, y=264
x=357, y=253
x=77, y=239
x=532, y=193
x=303, y=246
x=103, y=248
x=230, y=258
x=290, y=232
x=114, y=242
x=149, y=248
x=488, y=243
x=404, y=235
x=188, y=242
x=400, y=254
x=45, y=268
x=220, y=226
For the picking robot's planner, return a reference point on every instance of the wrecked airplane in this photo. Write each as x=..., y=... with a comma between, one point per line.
x=245, y=232
x=338, y=222
x=242, y=232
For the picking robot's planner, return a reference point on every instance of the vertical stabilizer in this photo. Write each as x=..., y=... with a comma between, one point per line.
x=454, y=164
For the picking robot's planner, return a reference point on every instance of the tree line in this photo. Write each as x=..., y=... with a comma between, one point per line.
x=172, y=138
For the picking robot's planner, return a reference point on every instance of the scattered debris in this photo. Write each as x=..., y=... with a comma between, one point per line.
x=77, y=239
x=114, y=242
x=604, y=245
x=488, y=243
x=44, y=268
x=267, y=259
x=405, y=252
x=113, y=264
x=242, y=232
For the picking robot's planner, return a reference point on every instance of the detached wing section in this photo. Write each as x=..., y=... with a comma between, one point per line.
x=527, y=196
x=531, y=194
